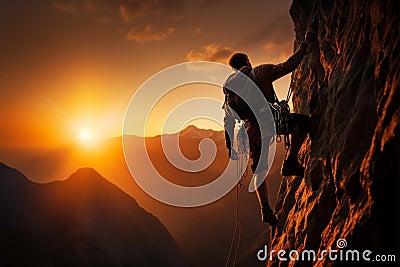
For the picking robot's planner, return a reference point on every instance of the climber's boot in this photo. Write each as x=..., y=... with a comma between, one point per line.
x=292, y=167
x=267, y=215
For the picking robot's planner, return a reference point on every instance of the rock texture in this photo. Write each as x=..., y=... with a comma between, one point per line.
x=349, y=84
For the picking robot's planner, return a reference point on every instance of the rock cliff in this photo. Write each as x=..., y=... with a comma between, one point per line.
x=349, y=85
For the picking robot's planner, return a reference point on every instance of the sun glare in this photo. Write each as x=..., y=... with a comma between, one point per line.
x=85, y=136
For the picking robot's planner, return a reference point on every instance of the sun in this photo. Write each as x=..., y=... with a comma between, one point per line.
x=85, y=136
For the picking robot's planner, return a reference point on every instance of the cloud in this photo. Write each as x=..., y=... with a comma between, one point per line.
x=269, y=45
x=101, y=11
x=67, y=8
x=143, y=20
x=104, y=20
x=179, y=17
x=132, y=9
x=146, y=33
x=198, y=30
x=151, y=20
x=210, y=52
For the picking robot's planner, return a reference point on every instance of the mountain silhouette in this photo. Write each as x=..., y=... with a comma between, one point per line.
x=195, y=229
x=82, y=221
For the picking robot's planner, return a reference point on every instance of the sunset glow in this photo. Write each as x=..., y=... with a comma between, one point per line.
x=87, y=61
x=85, y=136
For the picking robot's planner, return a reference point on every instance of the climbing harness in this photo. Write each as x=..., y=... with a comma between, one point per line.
x=281, y=113
x=242, y=153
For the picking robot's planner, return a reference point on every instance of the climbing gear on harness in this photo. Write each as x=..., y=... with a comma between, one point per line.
x=281, y=112
x=241, y=146
x=242, y=143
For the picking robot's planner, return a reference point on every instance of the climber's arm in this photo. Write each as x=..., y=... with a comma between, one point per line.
x=289, y=65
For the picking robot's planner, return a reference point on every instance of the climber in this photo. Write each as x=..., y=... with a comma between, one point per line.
x=298, y=124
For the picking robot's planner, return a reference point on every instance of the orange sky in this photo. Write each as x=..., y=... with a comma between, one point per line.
x=72, y=66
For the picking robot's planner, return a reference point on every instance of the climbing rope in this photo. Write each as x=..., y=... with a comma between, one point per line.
x=241, y=171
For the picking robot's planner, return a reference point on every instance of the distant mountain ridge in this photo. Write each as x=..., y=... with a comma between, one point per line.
x=194, y=229
x=82, y=221
x=198, y=132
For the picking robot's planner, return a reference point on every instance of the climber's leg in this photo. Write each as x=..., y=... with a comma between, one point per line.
x=254, y=135
x=261, y=190
x=267, y=215
x=299, y=127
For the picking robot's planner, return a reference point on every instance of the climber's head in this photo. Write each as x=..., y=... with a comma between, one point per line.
x=238, y=60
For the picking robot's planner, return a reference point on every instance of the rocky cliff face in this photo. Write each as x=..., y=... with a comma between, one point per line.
x=349, y=85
